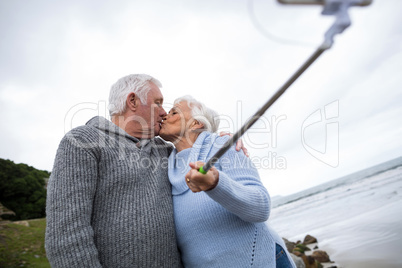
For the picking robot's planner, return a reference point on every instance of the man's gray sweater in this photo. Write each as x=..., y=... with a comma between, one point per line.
x=109, y=201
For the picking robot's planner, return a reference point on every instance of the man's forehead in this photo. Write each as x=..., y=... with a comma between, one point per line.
x=155, y=91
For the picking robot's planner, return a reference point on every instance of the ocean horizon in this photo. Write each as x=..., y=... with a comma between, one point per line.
x=357, y=218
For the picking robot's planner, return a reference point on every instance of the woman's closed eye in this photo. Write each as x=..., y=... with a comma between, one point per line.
x=172, y=112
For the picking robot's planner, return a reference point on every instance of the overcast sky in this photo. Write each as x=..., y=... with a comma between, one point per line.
x=59, y=59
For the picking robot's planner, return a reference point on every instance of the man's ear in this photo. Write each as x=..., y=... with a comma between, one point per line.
x=196, y=126
x=132, y=101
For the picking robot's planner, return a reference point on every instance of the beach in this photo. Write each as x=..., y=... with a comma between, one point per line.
x=358, y=220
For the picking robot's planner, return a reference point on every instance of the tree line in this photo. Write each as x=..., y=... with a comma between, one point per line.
x=22, y=190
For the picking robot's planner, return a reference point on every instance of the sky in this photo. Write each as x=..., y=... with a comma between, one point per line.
x=59, y=59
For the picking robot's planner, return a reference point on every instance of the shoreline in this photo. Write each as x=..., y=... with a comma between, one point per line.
x=358, y=224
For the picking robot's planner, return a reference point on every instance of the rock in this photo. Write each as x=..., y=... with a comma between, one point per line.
x=298, y=261
x=301, y=254
x=297, y=253
x=23, y=223
x=5, y=213
x=309, y=262
x=309, y=240
x=320, y=256
x=302, y=248
x=289, y=245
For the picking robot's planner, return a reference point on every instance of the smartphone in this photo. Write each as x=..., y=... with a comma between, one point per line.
x=320, y=2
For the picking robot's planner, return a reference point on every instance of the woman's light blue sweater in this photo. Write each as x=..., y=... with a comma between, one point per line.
x=226, y=226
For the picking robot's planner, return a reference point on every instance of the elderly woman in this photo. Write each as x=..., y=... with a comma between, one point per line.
x=221, y=216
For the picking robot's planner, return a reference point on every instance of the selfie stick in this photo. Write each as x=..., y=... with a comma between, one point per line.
x=338, y=8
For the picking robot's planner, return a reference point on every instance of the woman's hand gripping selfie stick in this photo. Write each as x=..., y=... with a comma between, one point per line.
x=338, y=8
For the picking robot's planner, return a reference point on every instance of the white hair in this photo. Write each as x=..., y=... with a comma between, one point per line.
x=136, y=83
x=201, y=113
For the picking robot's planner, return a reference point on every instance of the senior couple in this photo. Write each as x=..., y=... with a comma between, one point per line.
x=119, y=196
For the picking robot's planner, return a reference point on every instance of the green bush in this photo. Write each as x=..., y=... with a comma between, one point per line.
x=22, y=190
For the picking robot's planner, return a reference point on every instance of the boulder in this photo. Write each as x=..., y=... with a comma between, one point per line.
x=23, y=223
x=310, y=262
x=5, y=213
x=289, y=245
x=302, y=248
x=297, y=253
x=298, y=261
x=309, y=240
x=320, y=256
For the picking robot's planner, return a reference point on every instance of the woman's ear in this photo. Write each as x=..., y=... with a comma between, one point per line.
x=132, y=101
x=196, y=126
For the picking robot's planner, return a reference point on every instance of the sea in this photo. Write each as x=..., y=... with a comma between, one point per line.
x=357, y=219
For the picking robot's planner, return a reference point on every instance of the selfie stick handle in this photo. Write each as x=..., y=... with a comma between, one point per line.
x=332, y=7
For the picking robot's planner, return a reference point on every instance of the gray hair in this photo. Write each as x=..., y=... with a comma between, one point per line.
x=136, y=83
x=201, y=113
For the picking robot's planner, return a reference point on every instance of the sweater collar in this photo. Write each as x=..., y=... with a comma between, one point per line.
x=110, y=128
x=107, y=126
x=179, y=162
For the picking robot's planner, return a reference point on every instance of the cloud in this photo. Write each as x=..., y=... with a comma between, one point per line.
x=229, y=54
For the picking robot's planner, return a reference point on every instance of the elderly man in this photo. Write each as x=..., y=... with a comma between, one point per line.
x=109, y=199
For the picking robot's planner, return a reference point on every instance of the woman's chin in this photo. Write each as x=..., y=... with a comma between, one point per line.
x=163, y=135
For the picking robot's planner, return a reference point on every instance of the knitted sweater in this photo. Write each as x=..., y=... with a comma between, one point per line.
x=226, y=226
x=109, y=202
